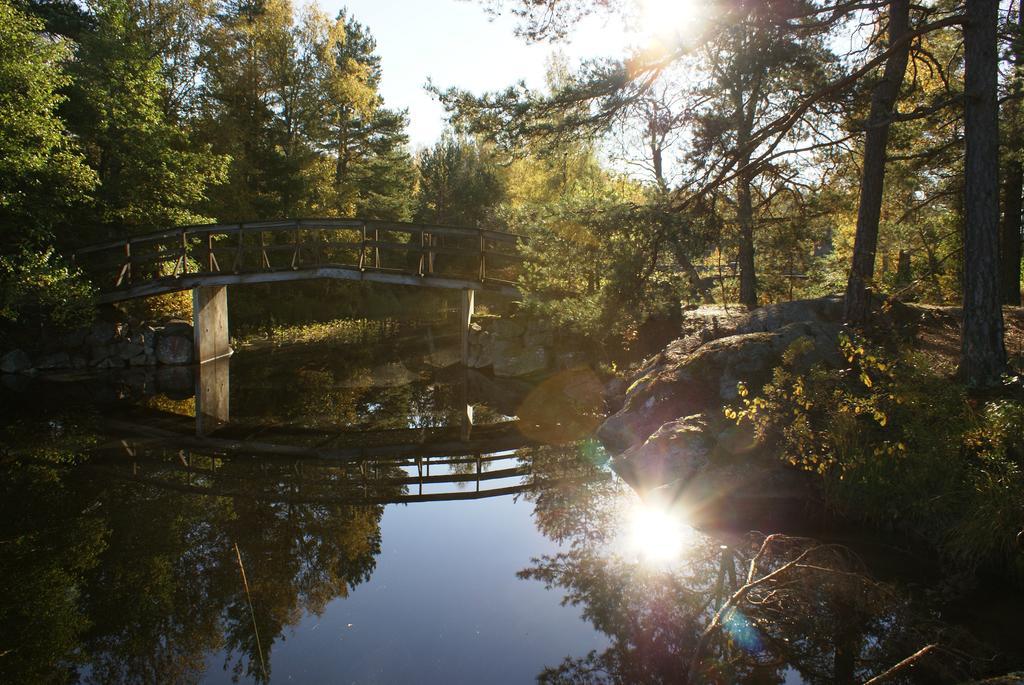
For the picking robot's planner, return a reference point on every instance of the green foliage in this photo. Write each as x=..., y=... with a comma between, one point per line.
x=37, y=289
x=598, y=262
x=151, y=173
x=42, y=174
x=899, y=445
x=294, y=102
x=820, y=419
x=459, y=183
x=42, y=179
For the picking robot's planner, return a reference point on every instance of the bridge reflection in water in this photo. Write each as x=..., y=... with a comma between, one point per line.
x=209, y=455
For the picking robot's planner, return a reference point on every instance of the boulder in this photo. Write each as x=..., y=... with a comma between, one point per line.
x=703, y=324
x=539, y=334
x=614, y=394
x=57, y=360
x=174, y=344
x=98, y=353
x=129, y=349
x=570, y=359
x=684, y=382
x=481, y=349
x=677, y=451
x=15, y=361
x=148, y=335
x=138, y=360
x=772, y=317
x=514, y=359
x=682, y=462
x=507, y=327
x=177, y=327
x=75, y=338
x=103, y=333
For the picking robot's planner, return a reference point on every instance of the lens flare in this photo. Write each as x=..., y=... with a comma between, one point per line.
x=657, y=534
x=667, y=19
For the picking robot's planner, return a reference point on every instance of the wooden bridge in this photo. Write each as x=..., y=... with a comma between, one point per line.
x=206, y=259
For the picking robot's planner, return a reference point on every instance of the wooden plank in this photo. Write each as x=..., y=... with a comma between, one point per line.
x=339, y=246
x=344, y=224
x=162, y=256
x=256, y=226
x=189, y=281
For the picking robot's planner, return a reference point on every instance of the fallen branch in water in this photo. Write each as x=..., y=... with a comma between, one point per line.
x=909, y=661
x=802, y=563
x=252, y=613
x=738, y=596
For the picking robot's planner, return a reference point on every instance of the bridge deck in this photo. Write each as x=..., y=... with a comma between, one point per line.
x=272, y=251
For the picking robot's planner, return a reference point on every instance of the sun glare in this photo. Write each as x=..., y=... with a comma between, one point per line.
x=657, y=534
x=667, y=20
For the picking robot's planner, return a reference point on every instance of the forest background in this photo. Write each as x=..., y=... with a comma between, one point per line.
x=723, y=163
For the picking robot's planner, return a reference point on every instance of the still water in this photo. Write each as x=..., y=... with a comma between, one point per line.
x=318, y=515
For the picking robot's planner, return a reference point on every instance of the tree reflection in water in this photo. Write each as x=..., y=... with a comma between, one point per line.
x=76, y=544
x=756, y=610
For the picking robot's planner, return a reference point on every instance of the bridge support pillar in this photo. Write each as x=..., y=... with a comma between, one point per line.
x=467, y=416
x=210, y=323
x=465, y=319
x=213, y=408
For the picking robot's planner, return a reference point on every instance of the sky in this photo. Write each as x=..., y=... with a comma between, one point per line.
x=457, y=43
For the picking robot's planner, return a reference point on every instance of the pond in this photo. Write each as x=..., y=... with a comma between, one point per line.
x=355, y=516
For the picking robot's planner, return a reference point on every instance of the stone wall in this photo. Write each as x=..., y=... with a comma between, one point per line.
x=106, y=345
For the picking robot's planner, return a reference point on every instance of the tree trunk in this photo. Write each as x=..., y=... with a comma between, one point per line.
x=1013, y=184
x=745, y=215
x=872, y=182
x=904, y=276
x=700, y=286
x=745, y=103
x=982, y=354
x=1010, y=247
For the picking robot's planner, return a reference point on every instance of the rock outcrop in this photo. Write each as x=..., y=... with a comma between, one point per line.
x=671, y=437
x=683, y=381
x=698, y=461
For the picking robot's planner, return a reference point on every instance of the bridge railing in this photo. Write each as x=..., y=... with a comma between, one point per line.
x=473, y=254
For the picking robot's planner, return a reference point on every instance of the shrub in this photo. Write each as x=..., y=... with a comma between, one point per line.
x=901, y=446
